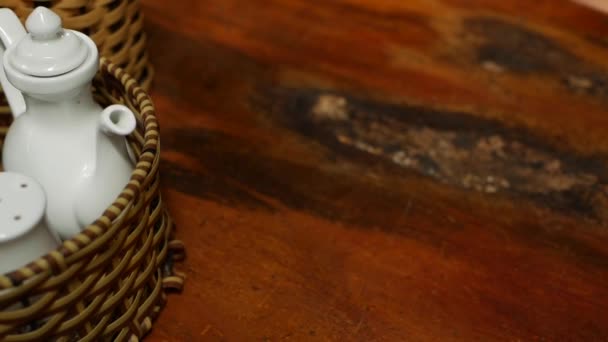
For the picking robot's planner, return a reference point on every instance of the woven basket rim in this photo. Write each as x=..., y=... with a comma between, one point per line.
x=47, y=262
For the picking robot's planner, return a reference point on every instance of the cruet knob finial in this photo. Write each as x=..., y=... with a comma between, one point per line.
x=44, y=24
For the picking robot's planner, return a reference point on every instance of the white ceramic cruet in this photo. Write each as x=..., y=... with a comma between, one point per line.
x=60, y=136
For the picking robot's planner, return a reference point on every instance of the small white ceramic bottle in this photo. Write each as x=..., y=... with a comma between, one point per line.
x=23, y=235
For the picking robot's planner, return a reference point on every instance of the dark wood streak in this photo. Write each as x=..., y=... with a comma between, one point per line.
x=459, y=149
x=523, y=51
x=517, y=48
x=208, y=186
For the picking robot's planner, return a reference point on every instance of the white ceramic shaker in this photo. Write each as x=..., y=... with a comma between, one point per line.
x=23, y=235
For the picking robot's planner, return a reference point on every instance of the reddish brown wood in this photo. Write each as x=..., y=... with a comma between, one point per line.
x=357, y=170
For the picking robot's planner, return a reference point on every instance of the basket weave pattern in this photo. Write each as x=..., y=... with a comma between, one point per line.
x=116, y=26
x=110, y=281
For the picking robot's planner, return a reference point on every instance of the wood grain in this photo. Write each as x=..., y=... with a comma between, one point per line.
x=355, y=170
x=595, y=4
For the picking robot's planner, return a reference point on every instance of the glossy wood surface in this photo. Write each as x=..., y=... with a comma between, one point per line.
x=386, y=170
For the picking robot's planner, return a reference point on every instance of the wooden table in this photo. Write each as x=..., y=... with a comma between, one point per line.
x=384, y=170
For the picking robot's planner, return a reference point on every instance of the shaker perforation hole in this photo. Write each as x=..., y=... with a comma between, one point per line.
x=23, y=185
x=17, y=217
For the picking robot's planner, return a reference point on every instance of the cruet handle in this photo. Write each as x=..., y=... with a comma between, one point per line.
x=11, y=31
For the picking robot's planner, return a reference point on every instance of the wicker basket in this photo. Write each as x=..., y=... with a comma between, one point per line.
x=110, y=281
x=116, y=26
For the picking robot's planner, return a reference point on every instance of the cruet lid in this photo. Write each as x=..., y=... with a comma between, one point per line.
x=48, y=50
